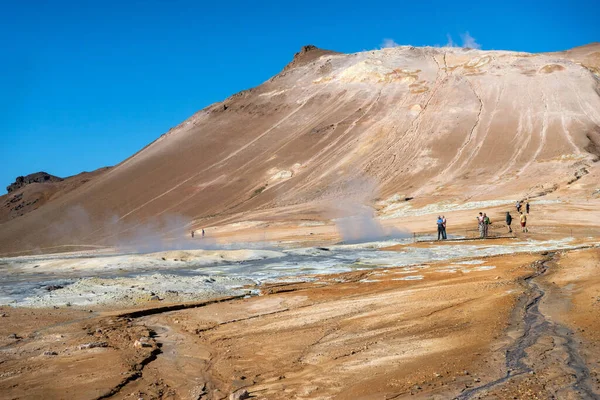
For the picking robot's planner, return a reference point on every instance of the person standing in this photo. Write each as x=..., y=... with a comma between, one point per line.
x=519, y=206
x=508, y=221
x=527, y=207
x=440, y=226
x=524, y=222
x=480, y=225
x=444, y=228
x=486, y=224
x=192, y=234
x=202, y=232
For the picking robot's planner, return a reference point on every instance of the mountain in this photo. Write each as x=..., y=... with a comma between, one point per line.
x=425, y=123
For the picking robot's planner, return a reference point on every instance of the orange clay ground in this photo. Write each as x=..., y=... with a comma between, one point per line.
x=364, y=334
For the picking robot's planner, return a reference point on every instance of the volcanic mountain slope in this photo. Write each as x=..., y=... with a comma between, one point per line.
x=28, y=193
x=419, y=122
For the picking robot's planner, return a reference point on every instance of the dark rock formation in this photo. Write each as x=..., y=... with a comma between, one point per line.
x=38, y=177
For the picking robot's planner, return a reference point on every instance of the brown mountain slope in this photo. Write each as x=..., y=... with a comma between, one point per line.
x=429, y=123
x=37, y=190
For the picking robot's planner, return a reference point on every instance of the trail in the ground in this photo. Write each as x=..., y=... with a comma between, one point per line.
x=542, y=345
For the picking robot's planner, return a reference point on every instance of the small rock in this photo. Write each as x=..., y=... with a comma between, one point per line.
x=92, y=345
x=141, y=342
x=51, y=288
x=154, y=298
x=241, y=394
x=13, y=336
x=3, y=315
x=50, y=353
x=466, y=372
x=477, y=380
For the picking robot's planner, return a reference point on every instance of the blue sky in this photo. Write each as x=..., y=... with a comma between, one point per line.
x=86, y=84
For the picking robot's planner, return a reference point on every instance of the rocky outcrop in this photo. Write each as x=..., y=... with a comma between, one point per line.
x=307, y=54
x=38, y=177
x=24, y=197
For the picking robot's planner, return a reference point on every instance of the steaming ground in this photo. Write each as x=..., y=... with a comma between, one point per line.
x=118, y=280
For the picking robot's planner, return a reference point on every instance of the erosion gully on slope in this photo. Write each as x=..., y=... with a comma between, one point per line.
x=521, y=359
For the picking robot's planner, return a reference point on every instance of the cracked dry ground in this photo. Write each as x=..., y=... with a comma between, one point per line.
x=527, y=329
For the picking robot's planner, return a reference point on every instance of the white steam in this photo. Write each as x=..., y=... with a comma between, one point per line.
x=468, y=41
x=387, y=43
x=354, y=217
x=167, y=232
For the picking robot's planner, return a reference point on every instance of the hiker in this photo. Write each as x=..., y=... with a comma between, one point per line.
x=508, y=221
x=524, y=222
x=202, y=232
x=440, y=226
x=527, y=207
x=192, y=234
x=518, y=206
x=486, y=224
x=444, y=227
x=480, y=225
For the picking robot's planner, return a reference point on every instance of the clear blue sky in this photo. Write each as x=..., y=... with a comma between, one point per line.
x=86, y=84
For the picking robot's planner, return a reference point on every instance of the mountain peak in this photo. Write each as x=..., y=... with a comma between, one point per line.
x=307, y=54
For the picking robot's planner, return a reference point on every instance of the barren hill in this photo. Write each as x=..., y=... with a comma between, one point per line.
x=427, y=123
x=30, y=192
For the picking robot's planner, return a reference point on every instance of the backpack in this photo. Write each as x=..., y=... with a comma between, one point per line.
x=487, y=220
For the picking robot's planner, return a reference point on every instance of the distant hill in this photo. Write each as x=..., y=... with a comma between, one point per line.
x=30, y=192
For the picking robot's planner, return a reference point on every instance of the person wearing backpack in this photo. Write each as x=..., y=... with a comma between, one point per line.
x=444, y=228
x=440, y=226
x=480, y=225
x=486, y=224
x=508, y=221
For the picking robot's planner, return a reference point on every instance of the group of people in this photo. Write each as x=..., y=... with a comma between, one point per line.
x=519, y=206
x=193, y=232
x=522, y=216
x=484, y=222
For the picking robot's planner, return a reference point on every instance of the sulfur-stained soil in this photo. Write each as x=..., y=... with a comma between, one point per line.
x=366, y=334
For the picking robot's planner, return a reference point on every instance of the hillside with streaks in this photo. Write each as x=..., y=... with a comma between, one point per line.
x=428, y=124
